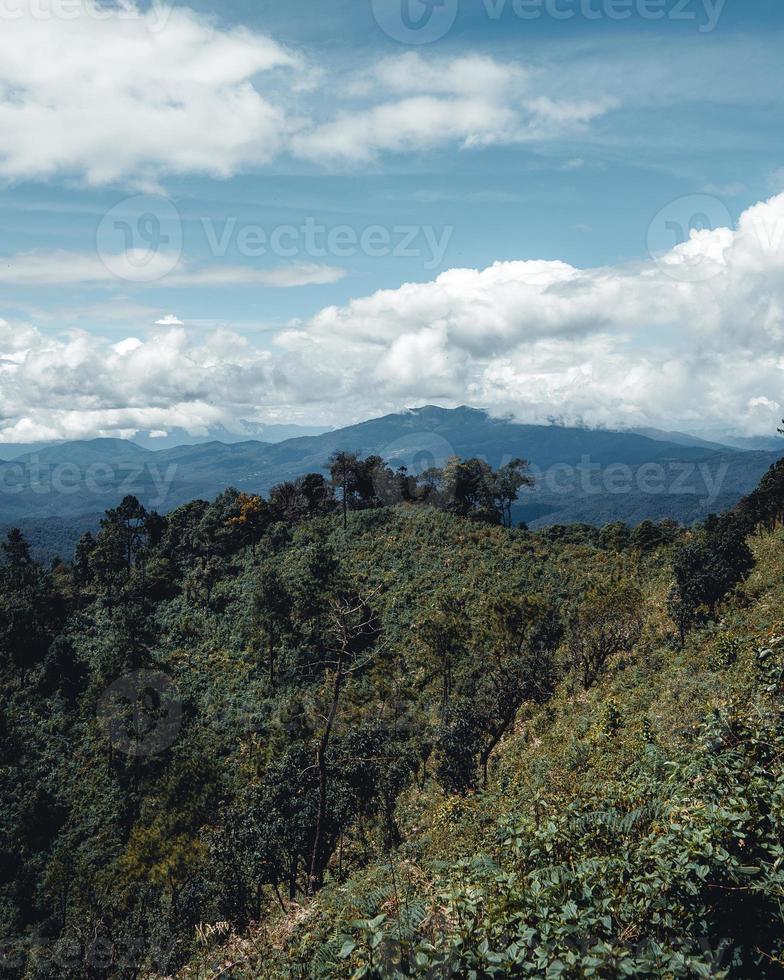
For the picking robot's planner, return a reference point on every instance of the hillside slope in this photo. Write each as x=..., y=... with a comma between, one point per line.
x=631, y=830
x=254, y=744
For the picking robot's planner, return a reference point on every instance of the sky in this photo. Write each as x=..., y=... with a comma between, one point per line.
x=325, y=210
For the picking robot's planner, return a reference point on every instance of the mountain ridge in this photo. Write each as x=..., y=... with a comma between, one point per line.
x=579, y=471
x=19, y=451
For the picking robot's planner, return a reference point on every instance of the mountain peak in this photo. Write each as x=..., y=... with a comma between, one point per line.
x=439, y=413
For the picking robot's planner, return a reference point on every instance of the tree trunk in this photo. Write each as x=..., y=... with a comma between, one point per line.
x=495, y=738
x=279, y=898
x=446, y=690
x=316, y=871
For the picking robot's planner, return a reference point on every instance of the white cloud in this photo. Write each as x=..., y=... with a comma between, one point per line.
x=124, y=94
x=132, y=93
x=470, y=101
x=60, y=268
x=81, y=385
x=645, y=344
x=282, y=277
x=776, y=180
x=53, y=268
x=725, y=190
x=471, y=75
x=133, y=343
x=690, y=338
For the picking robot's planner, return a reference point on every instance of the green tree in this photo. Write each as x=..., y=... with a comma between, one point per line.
x=250, y=521
x=507, y=483
x=31, y=611
x=514, y=642
x=129, y=523
x=343, y=472
x=607, y=621
x=472, y=488
x=442, y=634
x=351, y=627
x=469, y=490
x=706, y=568
x=201, y=580
x=16, y=551
x=272, y=613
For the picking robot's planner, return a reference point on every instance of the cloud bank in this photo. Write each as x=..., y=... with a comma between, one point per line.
x=693, y=335
x=130, y=94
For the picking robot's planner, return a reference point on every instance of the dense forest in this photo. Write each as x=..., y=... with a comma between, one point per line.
x=364, y=727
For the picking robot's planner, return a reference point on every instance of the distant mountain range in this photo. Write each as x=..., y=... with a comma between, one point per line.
x=765, y=443
x=272, y=432
x=586, y=475
x=684, y=439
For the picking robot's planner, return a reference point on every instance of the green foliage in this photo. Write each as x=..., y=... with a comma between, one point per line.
x=707, y=567
x=358, y=748
x=607, y=621
x=764, y=506
x=673, y=869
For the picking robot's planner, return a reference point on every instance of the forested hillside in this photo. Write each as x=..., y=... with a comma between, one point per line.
x=366, y=728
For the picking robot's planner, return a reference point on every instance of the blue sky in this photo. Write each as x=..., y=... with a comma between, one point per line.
x=210, y=212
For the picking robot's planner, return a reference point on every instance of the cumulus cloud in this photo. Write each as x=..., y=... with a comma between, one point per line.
x=471, y=100
x=122, y=92
x=80, y=385
x=692, y=338
x=131, y=94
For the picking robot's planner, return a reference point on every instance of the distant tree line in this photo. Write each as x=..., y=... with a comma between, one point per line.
x=464, y=487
